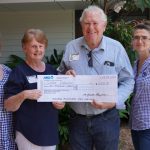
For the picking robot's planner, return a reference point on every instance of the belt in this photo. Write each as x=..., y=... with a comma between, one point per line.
x=90, y=116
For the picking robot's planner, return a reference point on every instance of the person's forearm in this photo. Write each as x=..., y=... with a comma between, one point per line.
x=13, y=103
x=124, y=92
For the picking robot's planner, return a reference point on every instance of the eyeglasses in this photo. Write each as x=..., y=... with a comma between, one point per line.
x=143, y=38
x=90, y=61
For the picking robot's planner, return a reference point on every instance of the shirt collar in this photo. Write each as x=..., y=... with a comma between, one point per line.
x=101, y=46
x=145, y=65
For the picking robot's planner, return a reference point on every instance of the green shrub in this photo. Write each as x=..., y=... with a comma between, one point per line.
x=54, y=59
x=122, y=32
x=13, y=61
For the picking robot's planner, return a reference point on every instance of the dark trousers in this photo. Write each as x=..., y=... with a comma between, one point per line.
x=101, y=131
x=141, y=139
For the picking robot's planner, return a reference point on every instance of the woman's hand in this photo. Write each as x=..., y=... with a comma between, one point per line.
x=14, y=102
x=32, y=94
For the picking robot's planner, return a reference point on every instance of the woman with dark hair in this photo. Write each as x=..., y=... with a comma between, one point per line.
x=140, y=108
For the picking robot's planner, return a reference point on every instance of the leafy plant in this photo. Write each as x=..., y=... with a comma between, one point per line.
x=122, y=31
x=63, y=125
x=129, y=5
x=54, y=59
x=142, y=4
x=124, y=114
x=13, y=61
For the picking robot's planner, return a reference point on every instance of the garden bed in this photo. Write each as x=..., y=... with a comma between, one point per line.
x=125, y=141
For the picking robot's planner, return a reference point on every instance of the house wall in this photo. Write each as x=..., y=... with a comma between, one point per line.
x=58, y=26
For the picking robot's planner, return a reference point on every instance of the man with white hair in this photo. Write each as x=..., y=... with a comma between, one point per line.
x=96, y=123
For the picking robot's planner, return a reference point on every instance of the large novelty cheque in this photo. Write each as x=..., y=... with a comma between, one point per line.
x=81, y=88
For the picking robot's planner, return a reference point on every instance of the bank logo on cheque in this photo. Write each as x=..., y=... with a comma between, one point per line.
x=48, y=77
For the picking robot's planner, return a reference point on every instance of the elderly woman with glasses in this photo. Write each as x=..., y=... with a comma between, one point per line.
x=140, y=108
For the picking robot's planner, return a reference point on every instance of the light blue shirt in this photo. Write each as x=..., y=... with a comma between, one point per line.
x=109, y=58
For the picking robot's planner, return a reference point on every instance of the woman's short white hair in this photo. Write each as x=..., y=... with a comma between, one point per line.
x=94, y=8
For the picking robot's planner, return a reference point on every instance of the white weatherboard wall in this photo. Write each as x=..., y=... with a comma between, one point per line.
x=58, y=26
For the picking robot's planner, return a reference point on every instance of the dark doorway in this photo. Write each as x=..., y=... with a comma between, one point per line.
x=78, y=31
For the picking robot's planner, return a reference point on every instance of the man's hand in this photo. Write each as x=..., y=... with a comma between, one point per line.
x=58, y=105
x=71, y=72
x=103, y=105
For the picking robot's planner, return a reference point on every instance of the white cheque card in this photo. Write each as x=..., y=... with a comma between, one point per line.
x=81, y=88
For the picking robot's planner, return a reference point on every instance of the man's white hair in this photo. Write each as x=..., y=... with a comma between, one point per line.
x=93, y=8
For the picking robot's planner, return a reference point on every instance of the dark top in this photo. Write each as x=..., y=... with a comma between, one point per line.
x=37, y=121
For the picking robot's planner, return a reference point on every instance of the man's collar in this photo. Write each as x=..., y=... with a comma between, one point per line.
x=101, y=46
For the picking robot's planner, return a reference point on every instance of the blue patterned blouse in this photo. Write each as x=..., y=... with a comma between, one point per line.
x=6, y=124
x=140, y=108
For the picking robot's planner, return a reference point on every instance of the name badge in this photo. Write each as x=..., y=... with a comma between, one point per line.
x=32, y=79
x=74, y=57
